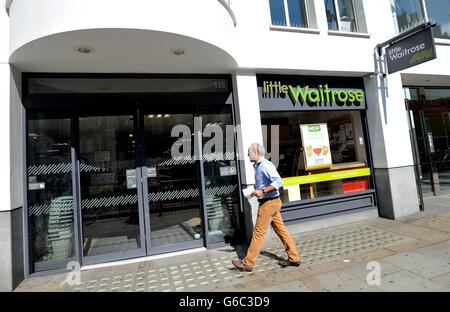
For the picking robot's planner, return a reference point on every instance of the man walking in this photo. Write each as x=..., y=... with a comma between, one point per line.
x=267, y=183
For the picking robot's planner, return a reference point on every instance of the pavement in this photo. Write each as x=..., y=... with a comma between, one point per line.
x=411, y=254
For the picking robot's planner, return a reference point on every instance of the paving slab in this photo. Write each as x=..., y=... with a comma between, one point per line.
x=405, y=281
x=294, y=286
x=439, y=251
x=342, y=281
x=422, y=265
x=361, y=271
x=443, y=280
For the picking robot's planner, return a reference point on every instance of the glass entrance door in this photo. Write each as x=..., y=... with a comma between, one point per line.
x=111, y=217
x=171, y=183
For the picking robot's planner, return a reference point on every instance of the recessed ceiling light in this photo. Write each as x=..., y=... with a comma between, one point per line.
x=85, y=49
x=178, y=51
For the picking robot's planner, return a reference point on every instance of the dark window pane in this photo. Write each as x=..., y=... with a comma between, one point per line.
x=439, y=11
x=277, y=12
x=221, y=180
x=347, y=15
x=408, y=12
x=50, y=198
x=297, y=13
x=331, y=14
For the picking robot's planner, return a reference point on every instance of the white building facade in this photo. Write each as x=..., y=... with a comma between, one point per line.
x=98, y=96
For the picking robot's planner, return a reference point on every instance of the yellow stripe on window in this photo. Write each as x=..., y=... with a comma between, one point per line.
x=328, y=176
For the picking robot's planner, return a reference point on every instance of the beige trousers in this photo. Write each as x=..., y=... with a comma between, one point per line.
x=269, y=214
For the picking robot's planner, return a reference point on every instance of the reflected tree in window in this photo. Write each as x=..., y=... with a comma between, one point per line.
x=439, y=12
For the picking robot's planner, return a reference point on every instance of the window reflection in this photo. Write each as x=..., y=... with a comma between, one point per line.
x=297, y=13
x=50, y=201
x=277, y=12
x=346, y=16
x=296, y=10
x=439, y=11
x=408, y=12
x=331, y=15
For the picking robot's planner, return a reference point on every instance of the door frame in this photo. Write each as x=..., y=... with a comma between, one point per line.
x=154, y=250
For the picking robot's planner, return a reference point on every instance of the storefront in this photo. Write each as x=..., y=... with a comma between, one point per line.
x=316, y=131
x=429, y=115
x=123, y=166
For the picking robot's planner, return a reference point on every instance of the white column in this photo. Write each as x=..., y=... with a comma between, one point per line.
x=391, y=147
x=248, y=118
x=388, y=126
x=4, y=113
x=5, y=169
x=11, y=182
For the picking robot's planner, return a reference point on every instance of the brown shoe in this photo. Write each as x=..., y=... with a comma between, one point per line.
x=239, y=264
x=286, y=263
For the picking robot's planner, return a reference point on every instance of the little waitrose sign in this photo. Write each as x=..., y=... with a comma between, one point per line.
x=278, y=95
x=416, y=49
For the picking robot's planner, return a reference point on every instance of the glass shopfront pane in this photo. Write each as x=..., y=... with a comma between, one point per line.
x=221, y=179
x=331, y=15
x=277, y=12
x=347, y=149
x=174, y=181
x=437, y=94
x=297, y=13
x=437, y=120
x=408, y=13
x=49, y=193
x=109, y=202
x=347, y=15
x=411, y=94
x=439, y=12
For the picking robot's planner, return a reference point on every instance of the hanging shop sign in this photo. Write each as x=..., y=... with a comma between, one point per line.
x=316, y=146
x=290, y=93
x=411, y=51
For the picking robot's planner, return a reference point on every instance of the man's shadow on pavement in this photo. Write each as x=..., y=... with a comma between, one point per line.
x=241, y=251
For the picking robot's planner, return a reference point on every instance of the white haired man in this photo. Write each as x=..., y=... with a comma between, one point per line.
x=267, y=184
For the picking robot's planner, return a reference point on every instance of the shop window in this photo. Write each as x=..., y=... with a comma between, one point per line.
x=293, y=13
x=334, y=138
x=345, y=15
x=49, y=191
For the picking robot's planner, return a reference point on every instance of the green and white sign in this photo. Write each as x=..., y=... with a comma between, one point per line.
x=316, y=146
x=414, y=50
x=309, y=94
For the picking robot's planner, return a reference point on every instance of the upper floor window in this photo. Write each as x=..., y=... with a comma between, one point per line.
x=439, y=12
x=341, y=15
x=410, y=12
x=291, y=13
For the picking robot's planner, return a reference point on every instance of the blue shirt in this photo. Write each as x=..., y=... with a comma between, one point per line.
x=266, y=174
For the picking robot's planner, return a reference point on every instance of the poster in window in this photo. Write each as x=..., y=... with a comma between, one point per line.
x=316, y=146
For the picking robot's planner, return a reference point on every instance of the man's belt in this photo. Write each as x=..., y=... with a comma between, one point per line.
x=263, y=200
